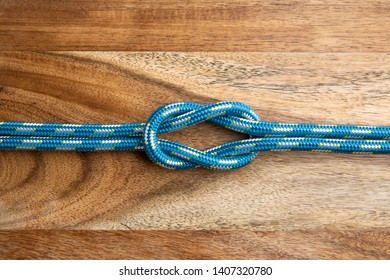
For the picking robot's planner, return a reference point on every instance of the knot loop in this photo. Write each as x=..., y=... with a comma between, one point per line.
x=176, y=116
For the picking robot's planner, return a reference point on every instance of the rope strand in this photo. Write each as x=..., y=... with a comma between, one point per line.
x=263, y=136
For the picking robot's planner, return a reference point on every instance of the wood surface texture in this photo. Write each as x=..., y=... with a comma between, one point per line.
x=124, y=190
x=172, y=25
x=310, y=61
x=351, y=244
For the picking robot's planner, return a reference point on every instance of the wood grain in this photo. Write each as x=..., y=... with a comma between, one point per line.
x=171, y=25
x=124, y=190
x=355, y=244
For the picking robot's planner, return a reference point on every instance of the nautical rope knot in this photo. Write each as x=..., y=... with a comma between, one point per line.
x=233, y=115
x=262, y=136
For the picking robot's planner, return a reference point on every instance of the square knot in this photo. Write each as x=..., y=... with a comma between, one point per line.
x=233, y=115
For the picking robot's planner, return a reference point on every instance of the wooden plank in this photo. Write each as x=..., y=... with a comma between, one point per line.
x=171, y=25
x=124, y=190
x=372, y=244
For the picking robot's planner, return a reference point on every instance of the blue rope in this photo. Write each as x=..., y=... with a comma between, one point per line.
x=263, y=136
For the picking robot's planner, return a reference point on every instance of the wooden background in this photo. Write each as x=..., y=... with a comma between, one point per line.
x=298, y=61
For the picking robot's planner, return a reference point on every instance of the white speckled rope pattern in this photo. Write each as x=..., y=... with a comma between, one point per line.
x=263, y=136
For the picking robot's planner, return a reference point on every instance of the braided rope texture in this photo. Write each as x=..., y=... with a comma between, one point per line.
x=262, y=136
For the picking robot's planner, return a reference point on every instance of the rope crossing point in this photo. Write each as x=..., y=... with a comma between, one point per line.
x=262, y=136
